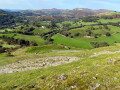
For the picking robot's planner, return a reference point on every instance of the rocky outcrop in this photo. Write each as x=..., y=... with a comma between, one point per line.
x=30, y=64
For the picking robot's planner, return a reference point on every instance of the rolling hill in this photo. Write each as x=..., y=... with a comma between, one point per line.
x=55, y=49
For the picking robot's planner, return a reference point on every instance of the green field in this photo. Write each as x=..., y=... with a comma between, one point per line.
x=6, y=45
x=60, y=39
x=109, y=20
x=8, y=35
x=85, y=42
x=96, y=29
x=33, y=38
x=8, y=30
x=110, y=13
x=72, y=24
x=36, y=38
x=44, y=48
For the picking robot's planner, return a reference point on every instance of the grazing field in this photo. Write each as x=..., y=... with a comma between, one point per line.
x=110, y=40
x=96, y=29
x=6, y=45
x=109, y=20
x=33, y=38
x=110, y=13
x=72, y=24
x=36, y=38
x=8, y=35
x=60, y=39
x=6, y=30
x=45, y=48
x=41, y=30
x=85, y=42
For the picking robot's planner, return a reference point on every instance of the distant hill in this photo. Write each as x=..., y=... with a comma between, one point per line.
x=77, y=12
x=113, y=14
x=2, y=12
x=8, y=19
x=11, y=10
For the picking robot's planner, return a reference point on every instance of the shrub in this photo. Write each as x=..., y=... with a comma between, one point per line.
x=99, y=44
x=108, y=34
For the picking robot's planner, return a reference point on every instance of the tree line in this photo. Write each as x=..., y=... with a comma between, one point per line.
x=22, y=42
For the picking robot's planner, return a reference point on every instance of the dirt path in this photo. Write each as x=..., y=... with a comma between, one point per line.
x=58, y=51
x=36, y=63
x=104, y=52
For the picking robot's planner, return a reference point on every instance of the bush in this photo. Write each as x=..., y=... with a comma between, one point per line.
x=99, y=44
x=108, y=34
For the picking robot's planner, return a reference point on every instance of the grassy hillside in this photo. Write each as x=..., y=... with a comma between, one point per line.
x=97, y=71
x=60, y=39
x=97, y=29
x=109, y=20
x=110, y=13
x=50, y=53
x=36, y=38
x=45, y=48
x=85, y=42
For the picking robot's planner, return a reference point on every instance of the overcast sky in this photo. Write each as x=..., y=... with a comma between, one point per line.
x=60, y=4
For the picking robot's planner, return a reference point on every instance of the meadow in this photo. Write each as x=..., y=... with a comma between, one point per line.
x=109, y=20
x=33, y=38
x=85, y=42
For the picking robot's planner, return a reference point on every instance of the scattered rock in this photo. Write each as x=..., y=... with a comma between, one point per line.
x=18, y=61
x=67, y=47
x=117, y=88
x=15, y=86
x=96, y=86
x=115, y=78
x=63, y=76
x=98, y=65
x=111, y=60
x=78, y=67
x=105, y=52
x=32, y=86
x=74, y=71
x=117, y=63
x=97, y=74
x=73, y=86
x=43, y=64
x=94, y=77
x=30, y=64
